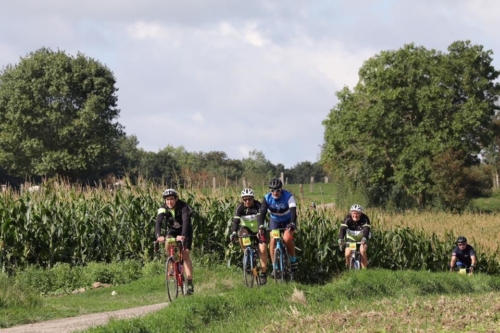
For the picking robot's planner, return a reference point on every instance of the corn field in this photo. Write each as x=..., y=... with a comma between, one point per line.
x=77, y=226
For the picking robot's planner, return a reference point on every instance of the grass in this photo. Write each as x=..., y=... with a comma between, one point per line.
x=373, y=300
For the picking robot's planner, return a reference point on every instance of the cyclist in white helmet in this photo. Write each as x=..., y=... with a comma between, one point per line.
x=246, y=217
x=356, y=228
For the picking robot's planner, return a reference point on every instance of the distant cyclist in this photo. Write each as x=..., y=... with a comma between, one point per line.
x=356, y=228
x=246, y=217
x=463, y=256
x=283, y=211
x=177, y=215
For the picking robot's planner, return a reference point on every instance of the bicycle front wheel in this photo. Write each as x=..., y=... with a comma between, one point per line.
x=247, y=268
x=171, y=279
x=278, y=264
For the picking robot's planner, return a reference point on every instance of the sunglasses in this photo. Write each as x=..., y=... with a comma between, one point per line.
x=247, y=199
x=276, y=191
x=461, y=244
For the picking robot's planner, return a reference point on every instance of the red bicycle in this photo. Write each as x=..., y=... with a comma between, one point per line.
x=175, y=279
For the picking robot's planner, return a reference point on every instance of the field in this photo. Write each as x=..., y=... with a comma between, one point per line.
x=71, y=230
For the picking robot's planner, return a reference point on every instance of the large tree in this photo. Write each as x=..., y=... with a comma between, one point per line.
x=409, y=107
x=58, y=115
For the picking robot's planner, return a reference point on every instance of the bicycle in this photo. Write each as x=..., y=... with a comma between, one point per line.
x=282, y=268
x=462, y=270
x=251, y=268
x=174, y=269
x=355, y=263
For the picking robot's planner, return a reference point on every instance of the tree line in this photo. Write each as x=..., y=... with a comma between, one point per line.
x=420, y=129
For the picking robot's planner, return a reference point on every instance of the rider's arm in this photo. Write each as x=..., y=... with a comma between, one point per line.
x=473, y=257
x=159, y=218
x=237, y=217
x=293, y=209
x=186, y=219
x=343, y=228
x=453, y=259
x=263, y=212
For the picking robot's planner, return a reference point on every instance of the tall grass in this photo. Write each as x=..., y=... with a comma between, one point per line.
x=80, y=226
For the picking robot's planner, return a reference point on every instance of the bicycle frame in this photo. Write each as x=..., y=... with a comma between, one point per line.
x=281, y=257
x=177, y=246
x=355, y=263
x=175, y=260
x=249, y=257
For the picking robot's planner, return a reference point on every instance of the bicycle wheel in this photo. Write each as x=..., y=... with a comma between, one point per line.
x=256, y=269
x=287, y=267
x=247, y=268
x=277, y=262
x=171, y=279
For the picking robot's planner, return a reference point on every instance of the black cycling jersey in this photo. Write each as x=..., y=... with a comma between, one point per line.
x=241, y=210
x=177, y=218
x=348, y=223
x=464, y=256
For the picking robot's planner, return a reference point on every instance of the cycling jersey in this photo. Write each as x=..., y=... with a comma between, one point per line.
x=178, y=221
x=464, y=256
x=283, y=209
x=247, y=217
x=355, y=230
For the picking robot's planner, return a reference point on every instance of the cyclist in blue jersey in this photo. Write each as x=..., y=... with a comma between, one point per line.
x=463, y=255
x=283, y=212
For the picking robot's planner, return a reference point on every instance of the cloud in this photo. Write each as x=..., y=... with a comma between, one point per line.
x=197, y=117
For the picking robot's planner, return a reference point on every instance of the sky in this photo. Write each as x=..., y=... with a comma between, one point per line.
x=235, y=76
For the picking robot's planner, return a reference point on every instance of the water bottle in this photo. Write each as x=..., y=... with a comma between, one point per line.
x=180, y=268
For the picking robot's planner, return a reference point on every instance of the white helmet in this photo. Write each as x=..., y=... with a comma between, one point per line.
x=247, y=192
x=356, y=208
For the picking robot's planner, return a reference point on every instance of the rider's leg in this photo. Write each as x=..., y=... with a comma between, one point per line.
x=272, y=246
x=364, y=257
x=263, y=256
x=347, y=256
x=288, y=239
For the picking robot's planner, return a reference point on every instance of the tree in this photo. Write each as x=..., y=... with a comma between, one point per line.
x=302, y=172
x=58, y=116
x=409, y=107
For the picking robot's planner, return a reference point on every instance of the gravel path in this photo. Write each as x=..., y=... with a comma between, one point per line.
x=71, y=324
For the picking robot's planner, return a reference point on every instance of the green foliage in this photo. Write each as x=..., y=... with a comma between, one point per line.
x=57, y=115
x=411, y=106
x=15, y=293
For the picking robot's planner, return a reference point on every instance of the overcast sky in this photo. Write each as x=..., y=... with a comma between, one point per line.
x=235, y=76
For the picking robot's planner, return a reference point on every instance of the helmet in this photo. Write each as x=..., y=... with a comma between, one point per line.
x=356, y=208
x=275, y=184
x=461, y=239
x=247, y=192
x=169, y=192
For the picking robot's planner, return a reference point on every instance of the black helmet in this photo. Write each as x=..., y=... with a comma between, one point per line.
x=169, y=192
x=275, y=184
x=461, y=239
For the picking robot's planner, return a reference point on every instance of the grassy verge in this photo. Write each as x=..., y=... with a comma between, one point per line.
x=373, y=300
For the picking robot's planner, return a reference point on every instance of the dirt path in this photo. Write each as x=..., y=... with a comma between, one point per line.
x=71, y=324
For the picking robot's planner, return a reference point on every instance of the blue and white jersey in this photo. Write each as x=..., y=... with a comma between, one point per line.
x=279, y=209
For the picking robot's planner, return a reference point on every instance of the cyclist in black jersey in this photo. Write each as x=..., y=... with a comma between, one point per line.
x=177, y=215
x=463, y=256
x=356, y=228
x=246, y=217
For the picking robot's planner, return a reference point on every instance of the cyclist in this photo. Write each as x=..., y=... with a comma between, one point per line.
x=463, y=256
x=246, y=216
x=356, y=228
x=177, y=215
x=283, y=211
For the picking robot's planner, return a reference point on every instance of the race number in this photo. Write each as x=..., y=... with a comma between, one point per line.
x=275, y=233
x=246, y=241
